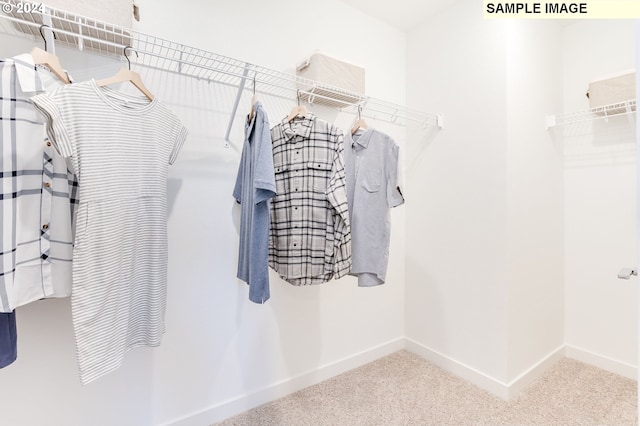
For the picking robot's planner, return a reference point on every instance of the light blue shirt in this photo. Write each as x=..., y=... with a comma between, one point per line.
x=371, y=166
x=255, y=185
x=8, y=339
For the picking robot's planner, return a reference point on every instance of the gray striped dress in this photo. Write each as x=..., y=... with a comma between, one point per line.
x=120, y=147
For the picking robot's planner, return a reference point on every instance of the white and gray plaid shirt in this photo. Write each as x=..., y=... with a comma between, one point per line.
x=38, y=193
x=310, y=237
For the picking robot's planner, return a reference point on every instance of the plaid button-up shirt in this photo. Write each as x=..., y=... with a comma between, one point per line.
x=38, y=194
x=310, y=237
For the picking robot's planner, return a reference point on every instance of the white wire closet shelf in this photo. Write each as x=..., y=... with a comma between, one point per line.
x=169, y=56
x=600, y=113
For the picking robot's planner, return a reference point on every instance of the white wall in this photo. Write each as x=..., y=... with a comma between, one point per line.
x=279, y=35
x=482, y=257
x=535, y=196
x=221, y=353
x=487, y=264
x=637, y=36
x=457, y=237
x=485, y=247
x=600, y=193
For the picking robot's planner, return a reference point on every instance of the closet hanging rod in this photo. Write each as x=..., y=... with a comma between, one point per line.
x=285, y=96
x=165, y=55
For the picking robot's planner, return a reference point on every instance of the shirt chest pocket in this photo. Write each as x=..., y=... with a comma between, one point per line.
x=371, y=180
x=282, y=179
x=319, y=174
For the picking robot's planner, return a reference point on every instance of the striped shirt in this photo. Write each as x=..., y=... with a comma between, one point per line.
x=38, y=193
x=310, y=239
x=120, y=146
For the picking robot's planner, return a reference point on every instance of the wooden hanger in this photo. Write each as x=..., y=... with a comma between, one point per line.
x=254, y=99
x=51, y=61
x=298, y=110
x=127, y=75
x=40, y=57
x=360, y=123
x=124, y=75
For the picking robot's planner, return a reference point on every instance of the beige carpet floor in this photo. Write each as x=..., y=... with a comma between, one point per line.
x=404, y=389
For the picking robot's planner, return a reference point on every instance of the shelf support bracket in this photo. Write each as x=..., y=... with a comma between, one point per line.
x=80, y=41
x=243, y=80
x=551, y=121
x=630, y=116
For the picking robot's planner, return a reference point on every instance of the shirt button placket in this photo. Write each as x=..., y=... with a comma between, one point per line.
x=296, y=205
x=297, y=181
x=46, y=201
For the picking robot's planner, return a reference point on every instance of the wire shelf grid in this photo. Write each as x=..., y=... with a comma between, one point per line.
x=600, y=113
x=156, y=53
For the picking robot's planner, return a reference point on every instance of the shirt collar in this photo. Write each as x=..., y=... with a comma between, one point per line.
x=364, y=139
x=30, y=75
x=302, y=128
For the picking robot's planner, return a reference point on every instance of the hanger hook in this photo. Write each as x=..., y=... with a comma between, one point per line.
x=127, y=56
x=254, y=84
x=359, y=112
x=44, y=38
x=298, y=95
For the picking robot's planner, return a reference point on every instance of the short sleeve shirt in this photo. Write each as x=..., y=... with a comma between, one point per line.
x=371, y=162
x=255, y=185
x=8, y=339
x=120, y=146
x=38, y=193
x=310, y=237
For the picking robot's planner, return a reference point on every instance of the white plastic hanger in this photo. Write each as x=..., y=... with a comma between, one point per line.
x=51, y=61
x=124, y=75
x=298, y=110
x=360, y=123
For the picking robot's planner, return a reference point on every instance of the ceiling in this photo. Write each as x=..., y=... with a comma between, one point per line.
x=402, y=14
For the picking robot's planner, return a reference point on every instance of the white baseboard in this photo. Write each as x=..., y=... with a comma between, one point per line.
x=466, y=372
x=535, y=372
x=270, y=393
x=498, y=388
x=601, y=361
x=502, y=390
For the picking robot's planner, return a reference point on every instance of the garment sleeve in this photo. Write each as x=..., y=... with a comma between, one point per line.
x=183, y=132
x=56, y=127
x=264, y=183
x=337, y=195
x=237, y=188
x=394, y=193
